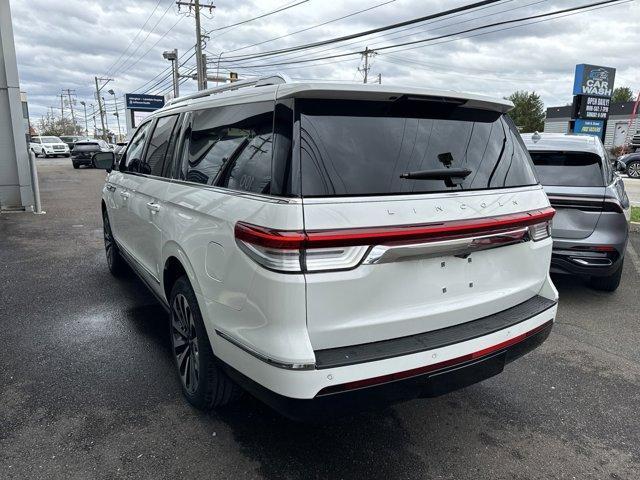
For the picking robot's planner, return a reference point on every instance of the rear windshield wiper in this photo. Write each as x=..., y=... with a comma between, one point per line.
x=451, y=176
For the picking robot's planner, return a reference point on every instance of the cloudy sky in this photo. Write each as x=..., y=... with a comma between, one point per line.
x=64, y=44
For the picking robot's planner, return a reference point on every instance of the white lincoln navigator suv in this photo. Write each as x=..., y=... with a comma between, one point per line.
x=324, y=244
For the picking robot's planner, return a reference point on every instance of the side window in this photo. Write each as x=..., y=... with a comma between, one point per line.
x=133, y=156
x=208, y=153
x=159, y=145
x=252, y=169
x=219, y=137
x=168, y=170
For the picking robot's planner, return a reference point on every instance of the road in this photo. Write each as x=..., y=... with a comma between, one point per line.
x=88, y=390
x=632, y=186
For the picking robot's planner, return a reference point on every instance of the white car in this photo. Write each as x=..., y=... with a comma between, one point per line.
x=325, y=244
x=49, y=147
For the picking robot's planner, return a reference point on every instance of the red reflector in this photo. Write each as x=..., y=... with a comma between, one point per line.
x=380, y=235
x=595, y=248
x=369, y=382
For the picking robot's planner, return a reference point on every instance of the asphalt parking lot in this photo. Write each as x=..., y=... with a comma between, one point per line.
x=88, y=390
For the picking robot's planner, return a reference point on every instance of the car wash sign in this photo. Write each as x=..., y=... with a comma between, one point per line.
x=594, y=81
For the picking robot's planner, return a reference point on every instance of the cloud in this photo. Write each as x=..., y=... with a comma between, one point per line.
x=64, y=44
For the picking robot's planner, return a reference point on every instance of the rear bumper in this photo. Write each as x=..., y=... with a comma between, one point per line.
x=432, y=383
x=582, y=263
x=385, y=372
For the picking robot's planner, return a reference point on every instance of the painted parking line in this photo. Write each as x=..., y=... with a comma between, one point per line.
x=635, y=258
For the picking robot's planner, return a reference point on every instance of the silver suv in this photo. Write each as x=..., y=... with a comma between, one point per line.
x=591, y=226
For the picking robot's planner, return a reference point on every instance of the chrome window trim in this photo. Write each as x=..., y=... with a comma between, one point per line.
x=224, y=190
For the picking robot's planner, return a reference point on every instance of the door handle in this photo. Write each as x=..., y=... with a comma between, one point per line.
x=125, y=195
x=154, y=207
x=111, y=188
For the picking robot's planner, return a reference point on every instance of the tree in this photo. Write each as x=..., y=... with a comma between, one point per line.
x=622, y=95
x=528, y=113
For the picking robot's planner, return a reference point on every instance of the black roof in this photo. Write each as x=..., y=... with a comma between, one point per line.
x=625, y=108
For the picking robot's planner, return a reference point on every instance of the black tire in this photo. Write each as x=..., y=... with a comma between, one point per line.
x=117, y=265
x=75, y=165
x=67, y=155
x=204, y=383
x=633, y=169
x=609, y=283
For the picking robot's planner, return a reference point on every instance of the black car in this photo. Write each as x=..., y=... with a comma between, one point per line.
x=84, y=150
x=71, y=140
x=630, y=163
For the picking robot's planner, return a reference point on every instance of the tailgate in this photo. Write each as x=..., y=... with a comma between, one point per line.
x=577, y=210
x=410, y=293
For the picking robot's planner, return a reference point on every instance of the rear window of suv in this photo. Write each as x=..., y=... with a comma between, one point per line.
x=363, y=147
x=568, y=169
x=86, y=147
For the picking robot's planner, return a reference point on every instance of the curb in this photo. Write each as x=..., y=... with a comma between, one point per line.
x=634, y=227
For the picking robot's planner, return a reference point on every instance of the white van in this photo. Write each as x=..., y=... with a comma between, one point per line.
x=321, y=244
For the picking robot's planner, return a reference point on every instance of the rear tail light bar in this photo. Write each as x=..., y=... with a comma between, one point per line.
x=341, y=249
x=606, y=204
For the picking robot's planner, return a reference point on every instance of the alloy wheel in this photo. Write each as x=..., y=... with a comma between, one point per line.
x=634, y=169
x=109, y=244
x=185, y=342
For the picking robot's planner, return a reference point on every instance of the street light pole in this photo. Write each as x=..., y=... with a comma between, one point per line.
x=95, y=126
x=115, y=103
x=86, y=120
x=172, y=56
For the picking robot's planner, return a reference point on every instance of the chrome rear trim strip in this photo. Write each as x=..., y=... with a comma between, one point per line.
x=455, y=247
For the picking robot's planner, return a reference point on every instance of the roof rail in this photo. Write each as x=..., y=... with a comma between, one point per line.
x=276, y=79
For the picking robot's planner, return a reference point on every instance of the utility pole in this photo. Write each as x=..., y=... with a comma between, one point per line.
x=73, y=117
x=104, y=82
x=201, y=66
x=106, y=118
x=365, y=55
x=62, y=113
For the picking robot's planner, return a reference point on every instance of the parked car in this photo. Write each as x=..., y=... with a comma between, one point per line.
x=590, y=229
x=330, y=247
x=48, y=147
x=630, y=164
x=83, y=151
x=634, y=144
x=71, y=140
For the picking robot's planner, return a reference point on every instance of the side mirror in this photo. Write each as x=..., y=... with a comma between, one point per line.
x=103, y=160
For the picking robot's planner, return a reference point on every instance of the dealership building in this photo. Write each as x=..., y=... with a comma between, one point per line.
x=620, y=114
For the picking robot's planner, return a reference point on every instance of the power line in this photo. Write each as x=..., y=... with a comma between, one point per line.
x=312, y=27
x=367, y=32
x=281, y=9
x=288, y=55
x=134, y=38
x=154, y=45
x=430, y=39
x=118, y=69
